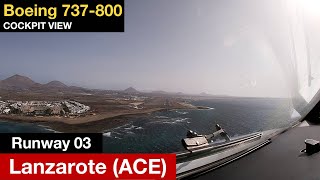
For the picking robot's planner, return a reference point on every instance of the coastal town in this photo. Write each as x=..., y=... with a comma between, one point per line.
x=43, y=108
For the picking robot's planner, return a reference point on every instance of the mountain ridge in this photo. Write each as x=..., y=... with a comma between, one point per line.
x=55, y=84
x=131, y=90
x=23, y=83
x=17, y=81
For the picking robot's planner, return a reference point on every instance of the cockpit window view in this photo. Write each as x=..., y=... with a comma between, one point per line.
x=231, y=87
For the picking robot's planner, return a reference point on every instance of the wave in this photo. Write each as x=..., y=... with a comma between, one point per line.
x=182, y=112
x=119, y=132
x=119, y=127
x=115, y=132
x=52, y=130
x=107, y=134
x=173, y=121
x=133, y=127
x=130, y=132
x=43, y=126
x=162, y=117
x=206, y=108
x=181, y=120
x=48, y=128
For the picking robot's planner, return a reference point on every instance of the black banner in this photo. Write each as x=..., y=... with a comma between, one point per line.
x=50, y=143
x=62, y=15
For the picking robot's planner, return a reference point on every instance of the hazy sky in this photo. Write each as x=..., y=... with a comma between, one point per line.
x=215, y=46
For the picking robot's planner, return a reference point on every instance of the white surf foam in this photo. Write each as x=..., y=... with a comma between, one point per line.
x=162, y=117
x=107, y=134
x=182, y=112
x=48, y=128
